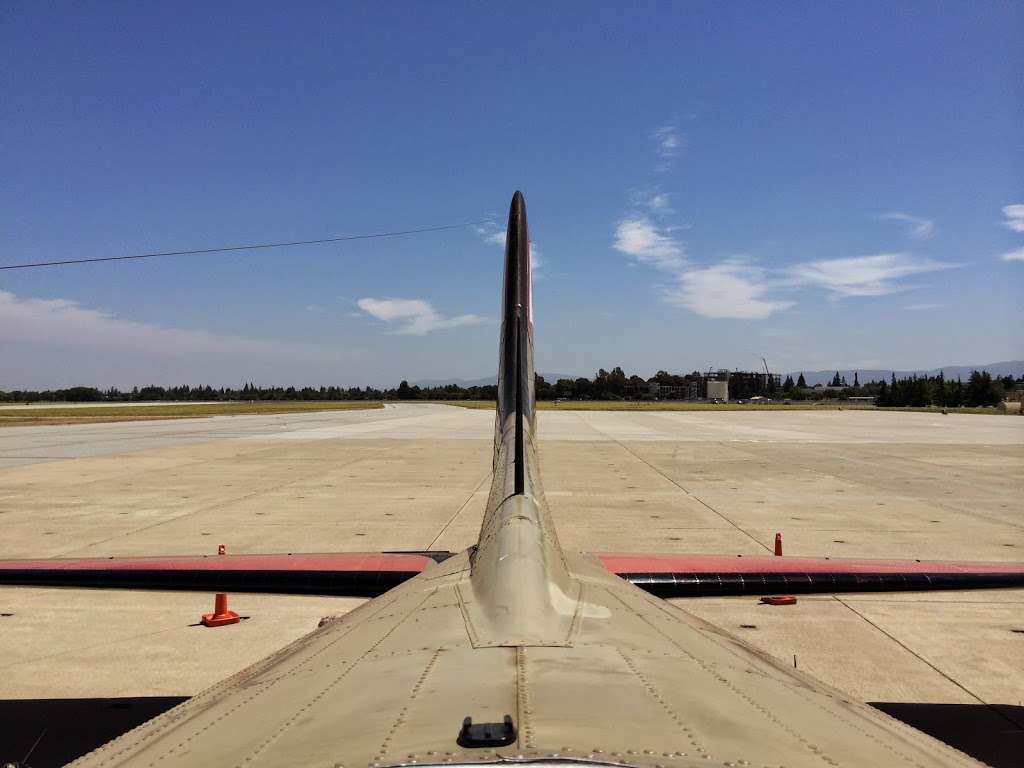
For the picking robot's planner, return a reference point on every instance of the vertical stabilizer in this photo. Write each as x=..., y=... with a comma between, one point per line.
x=515, y=413
x=521, y=590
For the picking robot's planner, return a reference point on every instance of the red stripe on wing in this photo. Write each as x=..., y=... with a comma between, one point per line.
x=726, y=564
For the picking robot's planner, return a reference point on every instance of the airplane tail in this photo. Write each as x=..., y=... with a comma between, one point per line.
x=515, y=411
x=519, y=576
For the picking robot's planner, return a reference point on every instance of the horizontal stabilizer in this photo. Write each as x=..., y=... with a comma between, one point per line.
x=672, y=575
x=347, y=574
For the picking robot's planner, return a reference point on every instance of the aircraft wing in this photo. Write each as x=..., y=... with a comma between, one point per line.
x=346, y=574
x=625, y=679
x=371, y=574
x=680, y=575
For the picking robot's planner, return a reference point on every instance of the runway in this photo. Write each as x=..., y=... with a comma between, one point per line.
x=837, y=483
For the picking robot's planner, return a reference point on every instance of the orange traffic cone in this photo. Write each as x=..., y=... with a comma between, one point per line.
x=221, y=615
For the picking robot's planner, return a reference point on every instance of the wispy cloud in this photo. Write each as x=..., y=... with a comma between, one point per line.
x=494, y=238
x=919, y=228
x=660, y=203
x=413, y=317
x=497, y=237
x=1014, y=217
x=652, y=200
x=668, y=145
x=56, y=342
x=1017, y=255
x=669, y=141
x=638, y=237
x=737, y=288
x=729, y=290
x=922, y=307
x=874, y=275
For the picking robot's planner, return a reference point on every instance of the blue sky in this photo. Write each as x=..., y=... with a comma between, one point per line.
x=824, y=185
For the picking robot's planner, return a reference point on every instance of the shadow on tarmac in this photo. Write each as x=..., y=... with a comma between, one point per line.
x=991, y=733
x=68, y=728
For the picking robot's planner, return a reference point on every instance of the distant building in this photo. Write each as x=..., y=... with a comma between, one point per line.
x=718, y=390
x=720, y=385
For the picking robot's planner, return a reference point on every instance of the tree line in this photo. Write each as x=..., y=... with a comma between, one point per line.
x=981, y=389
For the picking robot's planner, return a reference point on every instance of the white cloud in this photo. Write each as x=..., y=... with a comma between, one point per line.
x=920, y=229
x=874, y=275
x=416, y=317
x=638, y=237
x=728, y=290
x=1014, y=217
x=660, y=203
x=57, y=343
x=1017, y=255
x=669, y=141
x=498, y=238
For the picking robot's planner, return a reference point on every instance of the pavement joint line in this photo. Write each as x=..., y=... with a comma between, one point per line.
x=873, y=491
x=476, y=489
x=680, y=486
x=910, y=650
x=875, y=599
x=219, y=504
x=219, y=431
x=936, y=503
x=181, y=465
x=39, y=458
x=991, y=708
x=932, y=466
x=117, y=639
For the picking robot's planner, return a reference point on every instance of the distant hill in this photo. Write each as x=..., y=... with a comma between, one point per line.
x=1013, y=368
x=550, y=378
